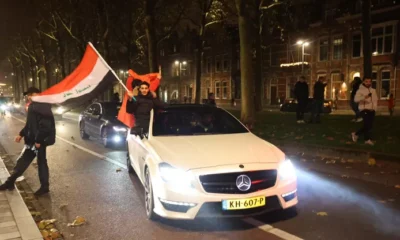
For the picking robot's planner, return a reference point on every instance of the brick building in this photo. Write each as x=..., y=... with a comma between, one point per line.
x=335, y=50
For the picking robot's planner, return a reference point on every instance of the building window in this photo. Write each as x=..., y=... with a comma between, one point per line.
x=339, y=87
x=385, y=84
x=217, y=90
x=226, y=65
x=337, y=48
x=174, y=48
x=374, y=79
x=225, y=90
x=185, y=69
x=323, y=50
x=217, y=63
x=356, y=45
x=382, y=40
x=208, y=65
x=162, y=52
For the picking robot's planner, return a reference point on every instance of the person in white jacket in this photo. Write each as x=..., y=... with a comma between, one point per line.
x=367, y=100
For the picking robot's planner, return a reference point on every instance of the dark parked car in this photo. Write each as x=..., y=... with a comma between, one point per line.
x=99, y=120
x=290, y=105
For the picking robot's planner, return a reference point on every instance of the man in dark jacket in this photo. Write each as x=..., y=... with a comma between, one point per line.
x=355, y=86
x=140, y=103
x=318, y=101
x=38, y=133
x=301, y=94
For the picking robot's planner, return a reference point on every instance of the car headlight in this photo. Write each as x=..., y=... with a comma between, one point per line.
x=3, y=107
x=119, y=129
x=17, y=105
x=287, y=170
x=60, y=110
x=175, y=176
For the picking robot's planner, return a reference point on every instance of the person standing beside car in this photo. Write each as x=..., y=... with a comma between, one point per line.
x=318, y=101
x=367, y=100
x=39, y=132
x=301, y=93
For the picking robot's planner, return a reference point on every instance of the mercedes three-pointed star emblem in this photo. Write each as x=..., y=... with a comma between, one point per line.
x=243, y=183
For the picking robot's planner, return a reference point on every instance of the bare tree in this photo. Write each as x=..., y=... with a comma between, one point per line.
x=366, y=30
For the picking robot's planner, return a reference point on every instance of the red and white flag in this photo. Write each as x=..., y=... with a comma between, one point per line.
x=91, y=78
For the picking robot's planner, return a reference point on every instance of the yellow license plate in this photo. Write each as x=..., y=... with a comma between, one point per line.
x=247, y=203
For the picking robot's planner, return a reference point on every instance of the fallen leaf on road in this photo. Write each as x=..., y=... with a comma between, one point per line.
x=382, y=201
x=366, y=173
x=322, y=214
x=299, y=137
x=28, y=198
x=119, y=170
x=345, y=176
x=391, y=200
x=77, y=222
x=371, y=162
x=72, y=138
x=331, y=162
x=350, y=160
x=348, y=167
x=63, y=206
x=35, y=214
x=20, y=179
x=55, y=233
x=45, y=233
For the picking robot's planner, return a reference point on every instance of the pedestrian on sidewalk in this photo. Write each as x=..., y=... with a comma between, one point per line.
x=355, y=85
x=301, y=93
x=367, y=100
x=38, y=133
x=391, y=104
x=318, y=101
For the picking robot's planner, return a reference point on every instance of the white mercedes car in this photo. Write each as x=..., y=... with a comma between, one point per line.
x=200, y=161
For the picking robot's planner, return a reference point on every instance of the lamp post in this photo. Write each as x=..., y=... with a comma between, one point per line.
x=303, y=44
x=179, y=65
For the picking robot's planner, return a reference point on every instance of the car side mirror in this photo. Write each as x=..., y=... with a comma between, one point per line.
x=137, y=131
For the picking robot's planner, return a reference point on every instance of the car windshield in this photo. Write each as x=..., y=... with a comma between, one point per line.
x=195, y=121
x=111, y=109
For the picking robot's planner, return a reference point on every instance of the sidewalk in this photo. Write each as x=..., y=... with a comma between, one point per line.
x=16, y=222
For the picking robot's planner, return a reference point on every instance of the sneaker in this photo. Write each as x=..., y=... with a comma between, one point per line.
x=7, y=186
x=353, y=120
x=298, y=121
x=359, y=120
x=302, y=121
x=354, y=137
x=41, y=191
x=369, y=142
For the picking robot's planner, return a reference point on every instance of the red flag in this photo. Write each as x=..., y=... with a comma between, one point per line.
x=152, y=78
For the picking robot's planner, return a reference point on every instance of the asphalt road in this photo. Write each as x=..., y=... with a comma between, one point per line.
x=84, y=182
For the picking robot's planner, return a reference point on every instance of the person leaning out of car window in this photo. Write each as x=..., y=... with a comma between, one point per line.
x=140, y=104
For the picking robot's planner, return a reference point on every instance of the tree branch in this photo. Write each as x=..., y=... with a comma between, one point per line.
x=174, y=25
x=213, y=22
x=269, y=6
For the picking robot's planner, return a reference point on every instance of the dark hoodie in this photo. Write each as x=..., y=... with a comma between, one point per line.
x=141, y=107
x=40, y=125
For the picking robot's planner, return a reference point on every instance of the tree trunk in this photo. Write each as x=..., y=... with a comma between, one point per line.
x=151, y=35
x=199, y=61
x=61, y=54
x=366, y=29
x=46, y=63
x=247, y=78
x=258, y=75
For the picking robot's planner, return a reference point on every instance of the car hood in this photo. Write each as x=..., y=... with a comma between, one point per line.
x=193, y=152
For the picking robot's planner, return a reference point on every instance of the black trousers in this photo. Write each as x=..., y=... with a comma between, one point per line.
x=368, y=121
x=301, y=108
x=317, y=109
x=25, y=159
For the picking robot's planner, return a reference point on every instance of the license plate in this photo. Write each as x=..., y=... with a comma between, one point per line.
x=247, y=203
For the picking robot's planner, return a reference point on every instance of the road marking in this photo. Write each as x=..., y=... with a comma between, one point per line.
x=270, y=229
x=260, y=225
x=87, y=150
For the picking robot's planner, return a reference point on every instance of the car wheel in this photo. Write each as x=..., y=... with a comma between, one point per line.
x=83, y=134
x=104, y=138
x=128, y=163
x=149, y=197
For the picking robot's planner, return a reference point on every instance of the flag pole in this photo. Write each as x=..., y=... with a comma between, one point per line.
x=101, y=58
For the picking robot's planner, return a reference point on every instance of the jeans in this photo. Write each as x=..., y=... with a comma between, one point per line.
x=317, y=109
x=368, y=119
x=301, y=108
x=25, y=159
x=354, y=106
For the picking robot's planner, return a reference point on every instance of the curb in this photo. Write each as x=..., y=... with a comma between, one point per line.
x=27, y=227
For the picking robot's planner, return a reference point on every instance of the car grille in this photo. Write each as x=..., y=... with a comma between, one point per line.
x=214, y=209
x=225, y=183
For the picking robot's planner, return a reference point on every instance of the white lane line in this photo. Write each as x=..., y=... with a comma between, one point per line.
x=72, y=119
x=87, y=150
x=270, y=229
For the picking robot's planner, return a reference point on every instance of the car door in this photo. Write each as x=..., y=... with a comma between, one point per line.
x=97, y=121
x=133, y=150
x=95, y=112
x=85, y=117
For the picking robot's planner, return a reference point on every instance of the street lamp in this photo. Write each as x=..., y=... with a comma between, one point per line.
x=179, y=64
x=30, y=79
x=303, y=44
x=12, y=74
